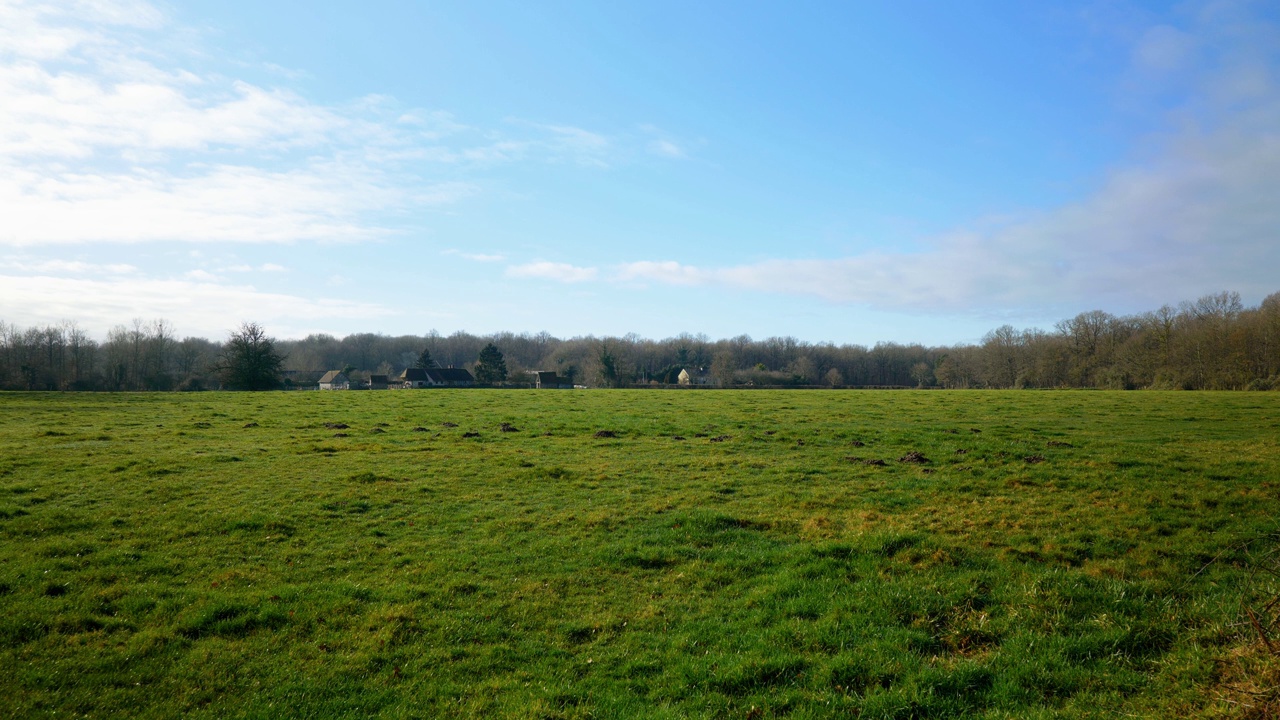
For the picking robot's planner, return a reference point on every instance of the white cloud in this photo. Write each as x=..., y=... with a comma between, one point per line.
x=669, y=272
x=272, y=267
x=220, y=204
x=477, y=257
x=196, y=308
x=105, y=136
x=200, y=275
x=74, y=267
x=1201, y=219
x=666, y=148
x=562, y=272
x=33, y=29
x=560, y=143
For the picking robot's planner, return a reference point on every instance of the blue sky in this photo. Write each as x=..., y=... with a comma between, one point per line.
x=846, y=172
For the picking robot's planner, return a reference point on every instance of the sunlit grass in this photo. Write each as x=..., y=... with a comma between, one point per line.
x=230, y=555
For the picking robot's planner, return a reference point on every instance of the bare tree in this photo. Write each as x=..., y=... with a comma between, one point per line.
x=249, y=359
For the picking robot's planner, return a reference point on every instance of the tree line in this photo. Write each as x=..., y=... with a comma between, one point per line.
x=1212, y=343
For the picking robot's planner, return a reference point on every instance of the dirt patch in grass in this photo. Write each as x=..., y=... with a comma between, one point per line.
x=470, y=434
x=252, y=424
x=858, y=443
x=1033, y=459
x=605, y=434
x=446, y=423
x=420, y=429
x=722, y=438
x=677, y=437
x=508, y=427
x=874, y=461
x=377, y=430
x=915, y=457
x=1058, y=444
x=341, y=435
x=337, y=426
x=961, y=451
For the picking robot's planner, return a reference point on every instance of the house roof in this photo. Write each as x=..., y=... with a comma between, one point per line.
x=438, y=376
x=333, y=376
x=450, y=375
x=378, y=379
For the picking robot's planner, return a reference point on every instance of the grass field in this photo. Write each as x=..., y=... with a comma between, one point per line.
x=726, y=554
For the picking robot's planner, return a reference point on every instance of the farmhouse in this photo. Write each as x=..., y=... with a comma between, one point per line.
x=334, y=380
x=378, y=382
x=414, y=378
x=691, y=376
x=548, y=380
x=436, y=377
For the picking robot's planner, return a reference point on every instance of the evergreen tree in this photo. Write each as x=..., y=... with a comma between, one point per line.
x=249, y=360
x=491, y=367
x=425, y=360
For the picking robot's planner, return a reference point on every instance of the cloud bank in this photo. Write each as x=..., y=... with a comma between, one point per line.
x=107, y=134
x=203, y=307
x=1197, y=214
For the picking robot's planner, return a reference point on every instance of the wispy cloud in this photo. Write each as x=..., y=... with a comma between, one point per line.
x=666, y=148
x=561, y=272
x=660, y=143
x=669, y=272
x=17, y=263
x=477, y=257
x=1200, y=219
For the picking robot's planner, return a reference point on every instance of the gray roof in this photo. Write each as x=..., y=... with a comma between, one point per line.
x=450, y=375
x=437, y=376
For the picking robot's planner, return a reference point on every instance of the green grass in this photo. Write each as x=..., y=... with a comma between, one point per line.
x=225, y=555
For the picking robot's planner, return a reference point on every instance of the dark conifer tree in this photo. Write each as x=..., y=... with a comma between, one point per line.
x=491, y=367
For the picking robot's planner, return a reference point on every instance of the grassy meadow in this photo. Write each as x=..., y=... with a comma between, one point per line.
x=724, y=554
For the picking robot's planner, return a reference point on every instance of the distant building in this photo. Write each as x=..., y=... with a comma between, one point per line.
x=548, y=380
x=377, y=382
x=436, y=377
x=414, y=378
x=334, y=380
x=691, y=376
